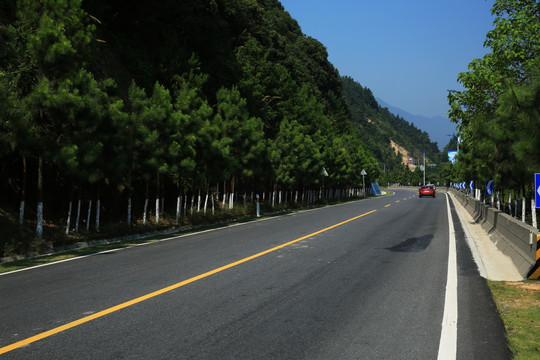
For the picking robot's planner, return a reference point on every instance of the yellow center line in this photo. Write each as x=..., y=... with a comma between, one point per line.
x=397, y=201
x=126, y=304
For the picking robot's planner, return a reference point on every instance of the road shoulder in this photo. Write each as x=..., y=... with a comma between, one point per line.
x=492, y=263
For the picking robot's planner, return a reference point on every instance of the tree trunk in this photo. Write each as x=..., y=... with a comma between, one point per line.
x=98, y=208
x=231, y=198
x=89, y=215
x=206, y=198
x=23, y=192
x=224, y=196
x=145, y=211
x=157, y=198
x=162, y=197
x=78, y=212
x=39, y=226
x=178, y=207
x=523, y=209
x=129, y=208
x=129, y=211
x=69, y=211
x=199, y=200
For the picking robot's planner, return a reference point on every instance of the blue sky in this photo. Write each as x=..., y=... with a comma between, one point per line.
x=409, y=53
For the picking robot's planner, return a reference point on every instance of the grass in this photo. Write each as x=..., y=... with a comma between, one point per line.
x=519, y=306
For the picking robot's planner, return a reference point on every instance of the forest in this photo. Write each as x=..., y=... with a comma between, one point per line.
x=126, y=114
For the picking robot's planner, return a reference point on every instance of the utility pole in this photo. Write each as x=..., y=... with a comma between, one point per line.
x=363, y=173
x=424, y=153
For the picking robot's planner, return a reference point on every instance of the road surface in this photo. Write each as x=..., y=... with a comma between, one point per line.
x=362, y=280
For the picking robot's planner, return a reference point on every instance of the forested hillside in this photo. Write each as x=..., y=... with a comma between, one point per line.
x=378, y=129
x=109, y=104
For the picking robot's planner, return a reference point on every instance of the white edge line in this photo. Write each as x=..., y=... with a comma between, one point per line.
x=472, y=244
x=448, y=341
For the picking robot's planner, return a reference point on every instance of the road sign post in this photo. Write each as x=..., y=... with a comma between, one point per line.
x=363, y=173
x=258, y=207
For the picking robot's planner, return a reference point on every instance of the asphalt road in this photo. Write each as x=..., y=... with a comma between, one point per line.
x=370, y=288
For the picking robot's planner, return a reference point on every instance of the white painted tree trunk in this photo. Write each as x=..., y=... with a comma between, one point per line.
x=157, y=209
x=145, y=211
x=78, y=216
x=199, y=202
x=212, y=196
x=224, y=201
x=21, y=212
x=88, y=217
x=523, y=209
x=231, y=201
x=205, y=202
x=178, y=207
x=69, y=217
x=533, y=211
x=39, y=226
x=192, y=203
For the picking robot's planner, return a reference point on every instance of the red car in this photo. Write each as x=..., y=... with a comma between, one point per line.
x=426, y=190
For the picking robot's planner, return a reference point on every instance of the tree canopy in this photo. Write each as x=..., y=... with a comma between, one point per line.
x=497, y=112
x=119, y=99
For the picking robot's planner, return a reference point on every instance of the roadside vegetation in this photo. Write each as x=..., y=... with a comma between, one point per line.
x=113, y=122
x=519, y=306
x=498, y=111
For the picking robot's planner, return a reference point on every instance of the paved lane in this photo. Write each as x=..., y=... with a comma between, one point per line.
x=369, y=288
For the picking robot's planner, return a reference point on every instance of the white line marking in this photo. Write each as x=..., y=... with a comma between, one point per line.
x=448, y=342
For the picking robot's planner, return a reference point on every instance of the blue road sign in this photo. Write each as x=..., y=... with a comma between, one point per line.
x=537, y=189
x=471, y=185
x=489, y=187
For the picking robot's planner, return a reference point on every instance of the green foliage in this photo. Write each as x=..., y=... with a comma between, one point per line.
x=295, y=157
x=377, y=127
x=497, y=112
x=120, y=95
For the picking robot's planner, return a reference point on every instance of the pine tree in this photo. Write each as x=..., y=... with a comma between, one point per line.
x=52, y=43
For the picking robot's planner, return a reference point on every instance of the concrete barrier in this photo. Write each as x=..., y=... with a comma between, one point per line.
x=514, y=238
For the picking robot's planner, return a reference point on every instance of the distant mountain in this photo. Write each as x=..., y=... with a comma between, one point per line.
x=438, y=127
